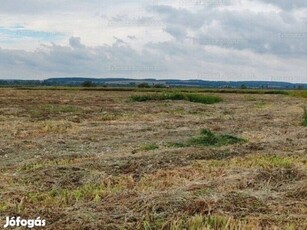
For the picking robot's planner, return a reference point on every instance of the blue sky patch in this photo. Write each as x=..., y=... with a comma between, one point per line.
x=20, y=32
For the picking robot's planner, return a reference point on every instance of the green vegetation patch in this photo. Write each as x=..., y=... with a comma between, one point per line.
x=249, y=91
x=198, y=98
x=299, y=93
x=208, y=138
x=149, y=147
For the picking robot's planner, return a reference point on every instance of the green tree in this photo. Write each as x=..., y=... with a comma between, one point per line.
x=144, y=85
x=243, y=86
x=87, y=84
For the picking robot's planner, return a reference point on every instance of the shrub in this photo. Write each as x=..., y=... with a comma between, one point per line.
x=87, y=84
x=144, y=85
x=159, y=86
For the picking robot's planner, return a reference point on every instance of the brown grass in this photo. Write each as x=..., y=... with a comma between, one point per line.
x=94, y=160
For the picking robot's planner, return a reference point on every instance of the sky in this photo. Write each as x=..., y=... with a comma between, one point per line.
x=230, y=40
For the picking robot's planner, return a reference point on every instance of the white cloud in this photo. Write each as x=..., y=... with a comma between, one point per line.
x=204, y=39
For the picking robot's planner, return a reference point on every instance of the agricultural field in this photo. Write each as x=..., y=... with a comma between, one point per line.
x=103, y=159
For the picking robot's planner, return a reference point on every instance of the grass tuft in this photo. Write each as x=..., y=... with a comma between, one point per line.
x=208, y=138
x=62, y=126
x=149, y=147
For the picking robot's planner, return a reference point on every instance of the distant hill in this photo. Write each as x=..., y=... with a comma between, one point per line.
x=127, y=82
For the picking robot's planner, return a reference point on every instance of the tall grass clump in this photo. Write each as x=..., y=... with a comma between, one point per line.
x=198, y=98
x=208, y=138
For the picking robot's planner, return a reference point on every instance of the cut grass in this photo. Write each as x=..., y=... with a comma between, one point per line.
x=79, y=174
x=197, y=98
x=32, y=166
x=87, y=192
x=62, y=126
x=208, y=138
x=192, y=223
x=53, y=109
x=210, y=222
x=270, y=161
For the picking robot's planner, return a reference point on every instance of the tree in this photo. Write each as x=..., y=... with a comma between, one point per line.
x=243, y=86
x=144, y=85
x=159, y=86
x=87, y=84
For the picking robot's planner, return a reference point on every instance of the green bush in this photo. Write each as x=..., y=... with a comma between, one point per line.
x=87, y=84
x=144, y=85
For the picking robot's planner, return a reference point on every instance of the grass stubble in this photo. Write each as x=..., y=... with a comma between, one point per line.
x=85, y=160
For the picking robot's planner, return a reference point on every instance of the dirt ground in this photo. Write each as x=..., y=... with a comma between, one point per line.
x=96, y=160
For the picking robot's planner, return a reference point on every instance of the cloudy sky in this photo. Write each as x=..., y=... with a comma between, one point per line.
x=182, y=39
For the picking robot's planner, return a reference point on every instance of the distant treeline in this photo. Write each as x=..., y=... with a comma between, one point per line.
x=20, y=83
x=150, y=83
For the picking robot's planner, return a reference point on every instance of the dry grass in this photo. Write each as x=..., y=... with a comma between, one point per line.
x=94, y=160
